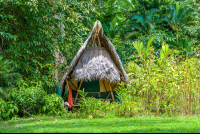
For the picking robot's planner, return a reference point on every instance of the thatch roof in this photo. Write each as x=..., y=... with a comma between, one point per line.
x=92, y=63
x=96, y=64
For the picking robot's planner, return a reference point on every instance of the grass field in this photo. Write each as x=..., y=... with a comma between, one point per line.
x=104, y=125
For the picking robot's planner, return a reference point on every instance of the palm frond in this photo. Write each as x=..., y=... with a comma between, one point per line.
x=134, y=25
x=149, y=25
x=151, y=14
x=139, y=18
x=139, y=47
x=172, y=11
x=180, y=13
x=149, y=44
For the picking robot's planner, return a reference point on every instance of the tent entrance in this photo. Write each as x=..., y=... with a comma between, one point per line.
x=91, y=86
x=96, y=89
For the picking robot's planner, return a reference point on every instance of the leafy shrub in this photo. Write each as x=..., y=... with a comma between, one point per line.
x=94, y=108
x=7, y=110
x=30, y=99
x=35, y=100
x=53, y=105
x=91, y=107
x=126, y=107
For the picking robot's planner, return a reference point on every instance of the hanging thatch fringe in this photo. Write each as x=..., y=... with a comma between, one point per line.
x=96, y=64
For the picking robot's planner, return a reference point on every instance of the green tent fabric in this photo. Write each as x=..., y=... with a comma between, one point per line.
x=58, y=91
x=93, y=90
x=91, y=86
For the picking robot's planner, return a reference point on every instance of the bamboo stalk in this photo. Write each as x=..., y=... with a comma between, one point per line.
x=198, y=96
x=190, y=92
x=185, y=85
x=158, y=98
x=198, y=92
x=181, y=89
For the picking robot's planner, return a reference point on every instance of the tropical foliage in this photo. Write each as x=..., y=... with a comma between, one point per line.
x=158, y=42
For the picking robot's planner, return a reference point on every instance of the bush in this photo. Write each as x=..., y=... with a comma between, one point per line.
x=35, y=100
x=93, y=108
x=126, y=107
x=7, y=110
x=53, y=105
x=30, y=99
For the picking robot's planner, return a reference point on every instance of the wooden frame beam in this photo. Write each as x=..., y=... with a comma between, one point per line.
x=107, y=97
x=77, y=92
x=104, y=85
x=111, y=92
x=67, y=84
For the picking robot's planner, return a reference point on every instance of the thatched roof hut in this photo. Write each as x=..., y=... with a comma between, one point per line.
x=97, y=59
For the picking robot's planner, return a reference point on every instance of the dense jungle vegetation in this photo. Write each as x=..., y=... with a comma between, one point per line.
x=158, y=42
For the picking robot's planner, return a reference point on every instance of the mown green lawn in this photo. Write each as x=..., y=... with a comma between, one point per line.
x=104, y=125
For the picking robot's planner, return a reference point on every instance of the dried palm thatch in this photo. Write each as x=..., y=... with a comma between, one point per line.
x=96, y=63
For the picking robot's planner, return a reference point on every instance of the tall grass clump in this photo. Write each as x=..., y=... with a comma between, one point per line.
x=165, y=85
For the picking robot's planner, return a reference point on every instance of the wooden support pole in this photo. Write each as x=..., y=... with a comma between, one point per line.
x=67, y=84
x=94, y=37
x=77, y=92
x=104, y=85
x=99, y=43
x=111, y=92
x=107, y=97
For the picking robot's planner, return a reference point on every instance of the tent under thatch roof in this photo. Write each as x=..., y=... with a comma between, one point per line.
x=96, y=63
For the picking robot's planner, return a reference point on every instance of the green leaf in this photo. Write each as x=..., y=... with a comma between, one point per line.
x=128, y=2
x=149, y=44
x=139, y=18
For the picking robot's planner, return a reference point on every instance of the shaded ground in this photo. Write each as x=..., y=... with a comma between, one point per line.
x=105, y=125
